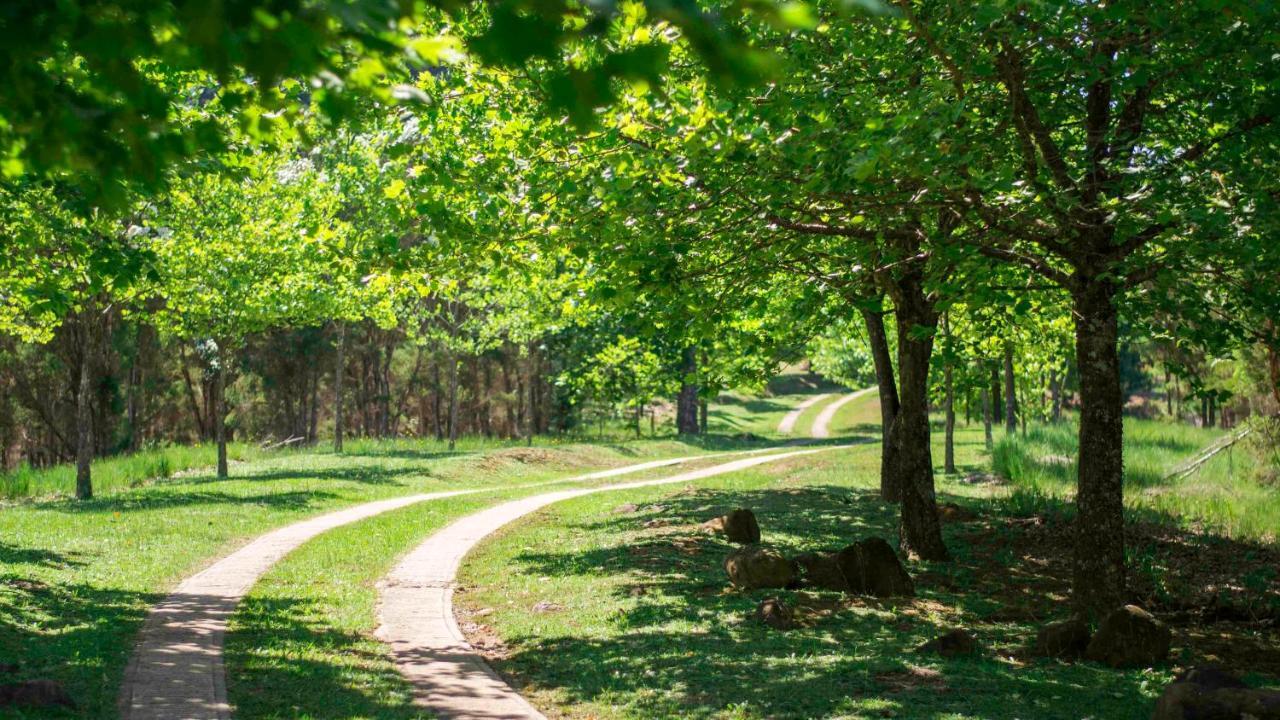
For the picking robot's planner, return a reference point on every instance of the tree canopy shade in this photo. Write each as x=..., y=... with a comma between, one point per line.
x=88, y=85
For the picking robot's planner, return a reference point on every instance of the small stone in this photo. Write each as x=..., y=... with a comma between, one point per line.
x=1210, y=693
x=951, y=644
x=754, y=567
x=1130, y=637
x=35, y=694
x=626, y=509
x=775, y=613
x=873, y=568
x=546, y=607
x=482, y=612
x=1066, y=639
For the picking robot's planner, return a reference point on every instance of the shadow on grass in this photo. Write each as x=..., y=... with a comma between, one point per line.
x=75, y=634
x=143, y=501
x=679, y=630
x=14, y=555
x=270, y=656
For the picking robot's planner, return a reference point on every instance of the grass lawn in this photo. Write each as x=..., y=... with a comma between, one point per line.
x=644, y=624
x=77, y=578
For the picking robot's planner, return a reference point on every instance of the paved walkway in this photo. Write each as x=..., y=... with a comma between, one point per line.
x=788, y=424
x=176, y=670
x=821, y=424
x=416, y=610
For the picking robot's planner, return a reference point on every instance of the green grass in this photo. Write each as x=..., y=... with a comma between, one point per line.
x=650, y=629
x=1222, y=496
x=76, y=578
x=120, y=472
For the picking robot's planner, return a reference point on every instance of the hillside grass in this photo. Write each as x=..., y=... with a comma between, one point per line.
x=1222, y=496
x=77, y=578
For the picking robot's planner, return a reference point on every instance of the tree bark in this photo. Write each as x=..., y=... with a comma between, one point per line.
x=453, y=401
x=986, y=419
x=687, y=401
x=997, y=404
x=220, y=411
x=1010, y=393
x=339, y=372
x=84, y=410
x=922, y=532
x=949, y=448
x=1055, y=392
x=888, y=389
x=1098, y=567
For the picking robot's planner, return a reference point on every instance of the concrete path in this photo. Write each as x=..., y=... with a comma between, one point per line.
x=416, y=607
x=788, y=424
x=176, y=670
x=821, y=424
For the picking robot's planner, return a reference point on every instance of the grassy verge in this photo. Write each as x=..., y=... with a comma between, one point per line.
x=76, y=578
x=644, y=625
x=1222, y=496
x=119, y=473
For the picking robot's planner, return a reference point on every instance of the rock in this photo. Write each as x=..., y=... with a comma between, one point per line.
x=951, y=512
x=754, y=567
x=822, y=570
x=951, y=644
x=1130, y=637
x=36, y=694
x=547, y=606
x=737, y=526
x=872, y=568
x=1209, y=693
x=1066, y=639
x=626, y=509
x=775, y=613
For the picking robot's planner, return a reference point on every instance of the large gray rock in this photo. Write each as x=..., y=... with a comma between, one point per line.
x=872, y=568
x=1130, y=637
x=1213, y=694
x=753, y=567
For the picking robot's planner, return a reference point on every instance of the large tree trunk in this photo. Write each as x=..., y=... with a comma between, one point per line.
x=949, y=448
x=84, y=411
x=1098, y=568
x=220, y=410
x=922, y=532
x=339, y=372
x=888, y=387
x=1010, y=393
x=687, y=401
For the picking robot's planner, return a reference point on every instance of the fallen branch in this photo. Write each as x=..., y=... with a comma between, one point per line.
x=282, y=443
x=1218, y=446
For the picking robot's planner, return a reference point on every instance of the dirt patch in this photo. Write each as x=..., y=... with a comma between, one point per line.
x=912, y=678
x=526, y=456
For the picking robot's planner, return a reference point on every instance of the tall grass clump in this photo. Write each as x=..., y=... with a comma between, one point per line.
x=1222, y=496
x=117, y=473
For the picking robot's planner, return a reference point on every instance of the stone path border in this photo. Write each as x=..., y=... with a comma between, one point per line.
x=415, y=610
x=821, y=424
x=788, y=424
x=176, y=670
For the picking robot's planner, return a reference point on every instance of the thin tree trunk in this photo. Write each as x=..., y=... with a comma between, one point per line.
x=84, y=410
x=220, y=411
x=997, y=404
x=1055, y=392
x=888, y=387
x=702, y=416
x=1010, y=393
x=339, y=372
x=986, y=418
x=1098, y=567
x=453, y=401
x=949, y=448
x=687, y=401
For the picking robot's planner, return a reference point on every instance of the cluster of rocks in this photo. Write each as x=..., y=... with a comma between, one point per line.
x=1129, y=637
x=1209, y=693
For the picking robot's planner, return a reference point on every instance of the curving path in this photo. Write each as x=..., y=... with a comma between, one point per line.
x=788, y=424
x=176, y=670
x=822, y=423
x=416, y=607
